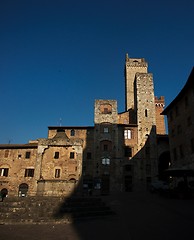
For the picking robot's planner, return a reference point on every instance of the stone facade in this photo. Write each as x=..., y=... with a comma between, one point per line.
x=18, y=167
x=60, y=160
x=119, y=153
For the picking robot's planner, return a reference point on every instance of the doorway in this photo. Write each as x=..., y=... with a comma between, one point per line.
x=23, y=190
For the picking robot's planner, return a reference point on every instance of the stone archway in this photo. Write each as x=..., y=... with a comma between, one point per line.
x=4, y=193
x=23, y=190
x=163, y=164
x=72, y=180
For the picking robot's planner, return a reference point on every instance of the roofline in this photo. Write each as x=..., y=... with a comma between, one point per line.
x=17, y=146
x=69, y=127
x=127, y=125
x=87, y=127
x=187, y=85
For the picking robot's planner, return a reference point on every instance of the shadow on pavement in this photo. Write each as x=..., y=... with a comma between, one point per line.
x=138, y=216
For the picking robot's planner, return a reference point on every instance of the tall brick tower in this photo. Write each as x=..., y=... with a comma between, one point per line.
x=140, y=102
x=160, y=122
x=144, y=108
x=139, y=96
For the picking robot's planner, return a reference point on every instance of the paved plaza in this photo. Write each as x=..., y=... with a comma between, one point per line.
x=138, y=216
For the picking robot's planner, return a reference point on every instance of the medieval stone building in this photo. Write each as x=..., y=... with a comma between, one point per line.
x=121, y=152
x=180, y=116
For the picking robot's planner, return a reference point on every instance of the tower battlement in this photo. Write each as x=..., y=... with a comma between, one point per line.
x=135, y=62
x=160, y=101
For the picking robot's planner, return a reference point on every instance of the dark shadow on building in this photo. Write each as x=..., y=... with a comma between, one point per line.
x=109, y=169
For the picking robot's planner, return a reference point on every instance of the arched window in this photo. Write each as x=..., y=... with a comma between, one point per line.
x=4, y=192
x=106, y=108
x=106, y=145
x=57, y=173
x=72, y=180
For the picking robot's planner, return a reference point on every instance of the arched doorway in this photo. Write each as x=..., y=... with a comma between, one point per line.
x=23, y=190
x=163, y=164
x=4, y=193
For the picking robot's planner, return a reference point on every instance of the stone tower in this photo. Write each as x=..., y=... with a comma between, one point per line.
x=140, y=103
x=108, y=146
x=140, y=96
x=132, y=66
x=160, y=122
x=144, y=107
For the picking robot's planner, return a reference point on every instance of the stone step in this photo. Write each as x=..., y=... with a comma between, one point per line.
x=51, y=209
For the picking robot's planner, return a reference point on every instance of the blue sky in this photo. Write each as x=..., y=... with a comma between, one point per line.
x=58, y=56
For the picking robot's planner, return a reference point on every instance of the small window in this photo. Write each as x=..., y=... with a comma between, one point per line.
x=72, y=132
x=29, y=172
x=19, y=156
x=106, y=110
x=146, y=112
x=128, y=152
x=57, y=173
x=105, y=130
x=56, y=156
x=105, y=148
x=6, y=153
x=28, y=154
x=4, y=172
x=127, y=134
x=72, y=155
x=106, y=161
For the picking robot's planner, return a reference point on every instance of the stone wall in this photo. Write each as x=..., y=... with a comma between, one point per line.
x=181, y=131
x=20, y=160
